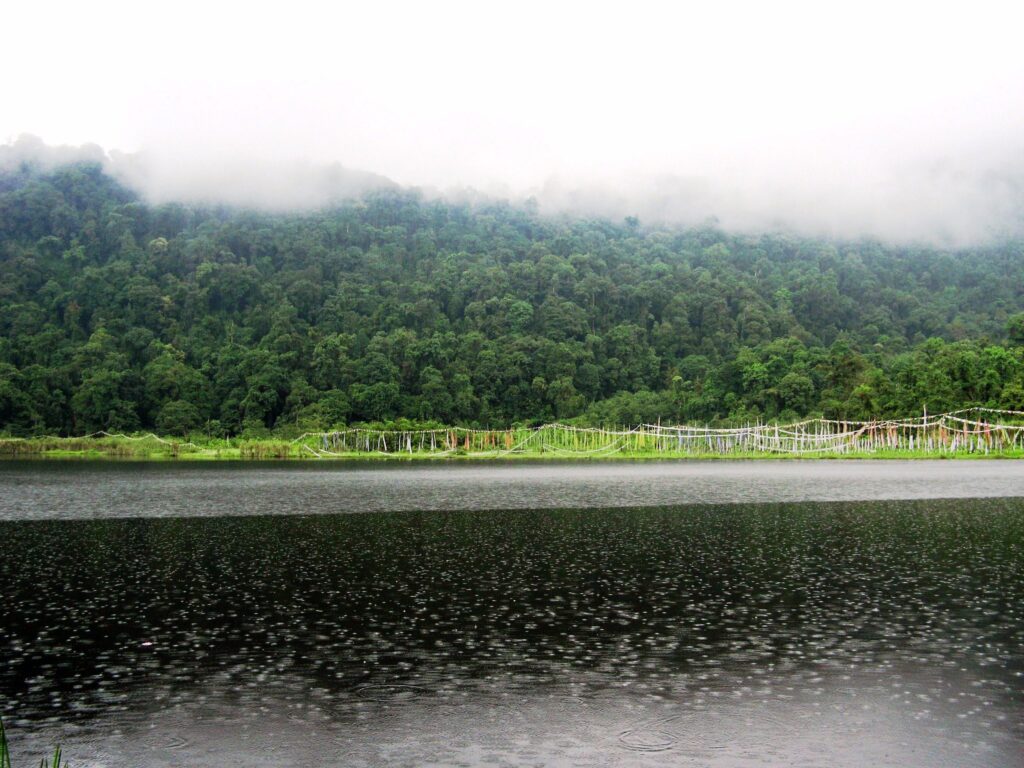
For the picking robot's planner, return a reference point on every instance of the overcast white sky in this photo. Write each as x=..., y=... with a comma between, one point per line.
x=902, y=120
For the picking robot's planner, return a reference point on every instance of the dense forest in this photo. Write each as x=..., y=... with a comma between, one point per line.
x=120, y=315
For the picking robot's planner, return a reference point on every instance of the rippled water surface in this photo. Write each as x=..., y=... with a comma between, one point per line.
x=807, y=633
x=77, y=489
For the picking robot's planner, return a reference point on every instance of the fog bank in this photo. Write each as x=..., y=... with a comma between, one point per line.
x=956, y=203
x=899, y=122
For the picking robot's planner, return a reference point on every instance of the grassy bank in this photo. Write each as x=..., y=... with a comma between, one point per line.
x=989, y=433
x=151, y=447
x=144, y=446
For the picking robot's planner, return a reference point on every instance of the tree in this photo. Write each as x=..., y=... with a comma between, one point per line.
x=1015, y=329
x=178, y=417
x=118, y=313
x=796, y=391
x=103, y=401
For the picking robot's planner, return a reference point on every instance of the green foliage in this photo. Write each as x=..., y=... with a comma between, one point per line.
x=118, y=315
x=1015, y=329
x=178, y=417
x=5, y=755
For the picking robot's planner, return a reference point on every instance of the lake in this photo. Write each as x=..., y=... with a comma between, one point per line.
x=834, y=613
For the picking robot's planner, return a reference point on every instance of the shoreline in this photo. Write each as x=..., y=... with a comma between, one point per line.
x=943, y=436
x=146, y=448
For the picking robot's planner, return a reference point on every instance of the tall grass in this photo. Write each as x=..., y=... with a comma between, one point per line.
x=5, y=754
x=115, y=446
x=265, y=449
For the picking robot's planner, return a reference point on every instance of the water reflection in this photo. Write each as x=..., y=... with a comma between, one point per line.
x=806, y=634
x=110, y=489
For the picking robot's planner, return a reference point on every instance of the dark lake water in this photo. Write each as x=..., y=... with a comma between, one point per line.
x=556, y=615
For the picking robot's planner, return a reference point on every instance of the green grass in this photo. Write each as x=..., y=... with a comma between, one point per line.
x=5, y=754
x=118, y=447
x=199, y=449
x=431, y=442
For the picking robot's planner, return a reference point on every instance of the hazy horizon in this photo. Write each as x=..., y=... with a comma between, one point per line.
x=902, y=124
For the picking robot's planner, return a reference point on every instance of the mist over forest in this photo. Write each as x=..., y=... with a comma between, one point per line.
x=973, y=199
x=392, y=305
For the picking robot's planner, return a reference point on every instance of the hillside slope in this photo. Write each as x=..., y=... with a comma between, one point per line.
x=118, y=314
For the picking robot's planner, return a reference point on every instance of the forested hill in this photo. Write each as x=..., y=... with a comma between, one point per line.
x=119, y=315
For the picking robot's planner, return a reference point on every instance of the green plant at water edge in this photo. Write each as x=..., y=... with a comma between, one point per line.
x=5, y=754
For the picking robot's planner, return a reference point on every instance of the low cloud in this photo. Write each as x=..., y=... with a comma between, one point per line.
x=974, y=199
x=895, y=121
x=273, y=185
x=194, y=178
x=949, y=203
x=32, y=151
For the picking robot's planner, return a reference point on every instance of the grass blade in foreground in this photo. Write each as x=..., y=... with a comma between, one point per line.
x=5, y=753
